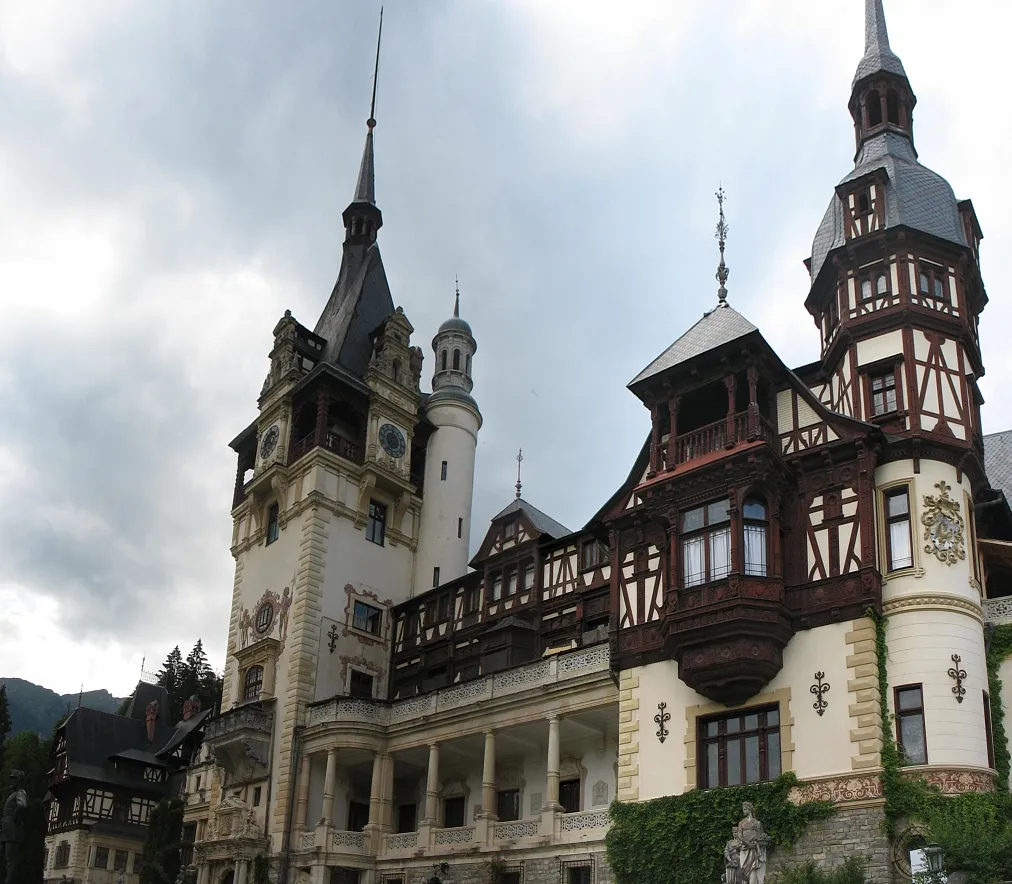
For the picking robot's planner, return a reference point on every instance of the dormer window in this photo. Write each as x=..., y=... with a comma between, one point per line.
x=509, y=530
x=863, y=203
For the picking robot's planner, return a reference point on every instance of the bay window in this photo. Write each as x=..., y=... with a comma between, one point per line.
x=706, y=543
x=755, y=522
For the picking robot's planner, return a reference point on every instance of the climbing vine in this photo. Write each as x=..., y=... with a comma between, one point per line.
x=999, y=648
x=680, y=839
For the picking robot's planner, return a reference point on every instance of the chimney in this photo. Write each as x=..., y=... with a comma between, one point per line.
x=150, y=719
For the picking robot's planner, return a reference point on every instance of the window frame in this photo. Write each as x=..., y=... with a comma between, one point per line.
x=435, y=576
x=360, y=692
x=376, y=524
x=706, y=531
x=571, y=783
x=455, y=801
x=937, y=275
x=252, y=677
x=369, y=615
x=104, y=853
x=764, y=525
x=273, y=529
x=763, y=731
x=900, y=714
x=499, y=795
x=509, y=530
x=832, y=316
x=442, y=471
x=890, y=382
x=902, y=488
x=121, y=859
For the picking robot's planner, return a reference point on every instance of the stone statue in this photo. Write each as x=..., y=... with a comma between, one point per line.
x=752, y=852
x=12, y=826
x=732, y=860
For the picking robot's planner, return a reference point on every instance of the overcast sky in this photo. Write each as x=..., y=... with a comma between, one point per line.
x=172, y=178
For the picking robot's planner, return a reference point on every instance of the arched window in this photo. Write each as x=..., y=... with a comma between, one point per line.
x=893, y=107
x=863, y=203
x=442, y=360
x=456, y=360
x=865, y=289
x=253, y=683
x=882, y=286
x=874, y=104
x=467, y=366
x=396, y=371
x=754, y=516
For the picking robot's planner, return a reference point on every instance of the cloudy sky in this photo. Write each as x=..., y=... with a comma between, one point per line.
x=172, y=178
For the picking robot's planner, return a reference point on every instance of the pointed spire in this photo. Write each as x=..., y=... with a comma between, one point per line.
x=365, y=189
x=456, y=301
x=520, y=459
x=722, y=270
x=878, y=56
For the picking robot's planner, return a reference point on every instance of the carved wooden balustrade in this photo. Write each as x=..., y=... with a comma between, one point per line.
x=332, y=442
x=725, y=433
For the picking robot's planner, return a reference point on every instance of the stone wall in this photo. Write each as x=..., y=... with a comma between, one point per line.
x=534, y=870
x=849, y=832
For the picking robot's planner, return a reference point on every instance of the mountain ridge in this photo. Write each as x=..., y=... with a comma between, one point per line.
x=36, y=708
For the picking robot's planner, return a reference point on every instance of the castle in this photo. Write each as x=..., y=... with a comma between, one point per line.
x=396, y=711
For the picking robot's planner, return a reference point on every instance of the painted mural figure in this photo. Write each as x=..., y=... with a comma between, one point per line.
x=732, y=860
x=12, y=826
x=245, y=625
x=752, y=853
x=283, y=606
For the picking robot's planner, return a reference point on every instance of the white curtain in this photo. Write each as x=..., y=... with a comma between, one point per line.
x=899, y=545
x=720, y=553
x=693, y=561
x=755, y=550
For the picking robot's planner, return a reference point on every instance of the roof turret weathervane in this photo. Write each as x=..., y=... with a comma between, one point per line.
x=520, y=458
x=722, y=270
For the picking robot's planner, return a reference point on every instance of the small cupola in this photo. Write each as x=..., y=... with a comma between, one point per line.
x=454, y=348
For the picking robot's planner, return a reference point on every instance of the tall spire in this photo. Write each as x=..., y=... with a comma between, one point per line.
x=365, y=189
x=878, y=56
x=456, y=300
x=722, y=269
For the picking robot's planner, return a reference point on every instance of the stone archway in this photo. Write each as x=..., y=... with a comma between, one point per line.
x=227, y=877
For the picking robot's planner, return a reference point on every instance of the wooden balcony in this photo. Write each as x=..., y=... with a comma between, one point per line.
x=341, y=446
x=744, y=426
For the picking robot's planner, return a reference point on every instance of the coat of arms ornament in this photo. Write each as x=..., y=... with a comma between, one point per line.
x=943, y=526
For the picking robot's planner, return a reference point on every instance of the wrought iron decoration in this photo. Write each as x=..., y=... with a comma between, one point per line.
x=820, y=689
x=332, y=635
x=958, y=674
x=661, y=719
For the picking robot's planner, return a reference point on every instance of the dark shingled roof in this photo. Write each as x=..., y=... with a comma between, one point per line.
x=915, y=197
x=998, y=461
x=878, y=56
x=542, y=523
x=721, y=325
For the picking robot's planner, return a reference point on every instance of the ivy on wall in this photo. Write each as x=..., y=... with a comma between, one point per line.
x=999, y=649
x=679, y=839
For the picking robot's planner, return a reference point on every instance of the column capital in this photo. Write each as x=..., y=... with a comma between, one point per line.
x=553, y=716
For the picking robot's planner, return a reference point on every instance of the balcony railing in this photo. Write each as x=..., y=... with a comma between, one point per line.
x=998, y=610
x=341, y=446
x=241, y=719
x=714, y=437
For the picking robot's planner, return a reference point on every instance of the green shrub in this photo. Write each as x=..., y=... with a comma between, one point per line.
x=851, y=872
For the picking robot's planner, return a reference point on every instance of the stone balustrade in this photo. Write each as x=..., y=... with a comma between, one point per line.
x=998, y=610
x=533, y=676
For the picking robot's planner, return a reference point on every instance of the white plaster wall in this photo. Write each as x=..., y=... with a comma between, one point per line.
x=317, y=775
x=822, y=745
x=447, y=501
x=920, y=644
x=600, y=766
x=929, y=575
x=881, y=347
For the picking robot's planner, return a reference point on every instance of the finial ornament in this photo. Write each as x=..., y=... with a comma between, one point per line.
x=456, y=302
x=722, y=271
x=520, y=458
x=371, y=122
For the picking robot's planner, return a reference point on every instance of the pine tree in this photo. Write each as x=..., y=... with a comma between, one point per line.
x=30, y=754
x=160, y=860
x=5, y=715
x=169, y=677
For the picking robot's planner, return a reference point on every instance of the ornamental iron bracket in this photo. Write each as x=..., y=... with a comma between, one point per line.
x=958, y=674
x=661, y=719
x=332, y=635
x=820, y=689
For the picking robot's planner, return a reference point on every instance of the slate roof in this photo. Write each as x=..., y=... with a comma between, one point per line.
x=915, y=197
x=998, y=461
x=542, y=523
x=878, y=56
x=721, y=325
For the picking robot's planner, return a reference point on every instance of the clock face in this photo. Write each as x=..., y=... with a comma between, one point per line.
x=269, y=442
x=392, y=440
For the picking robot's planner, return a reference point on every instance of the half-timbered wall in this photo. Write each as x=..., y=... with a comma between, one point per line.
x=939, y=385
x=800, y=426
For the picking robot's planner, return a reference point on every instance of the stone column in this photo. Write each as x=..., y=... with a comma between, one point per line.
x=329, y=785
x=241, y=870
x=432, y=786
x=302, y=799
x=488, y=807
x=203, y=871
x=387, y=794
x=373, y=829
x=552, y=796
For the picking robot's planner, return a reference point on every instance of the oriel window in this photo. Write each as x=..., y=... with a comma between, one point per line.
x=706, y=543
x=376, y=527
x=755, y=522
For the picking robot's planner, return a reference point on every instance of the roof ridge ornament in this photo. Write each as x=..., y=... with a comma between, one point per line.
x=371, y=122
x=456, y=301
x=722, y=270
x=365, y=188
x=520, y=458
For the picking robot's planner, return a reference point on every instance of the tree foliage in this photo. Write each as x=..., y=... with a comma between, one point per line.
x=30, y=754
x=192, y=677
x=852, y=871
x=160, y=860
x=680, y=839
